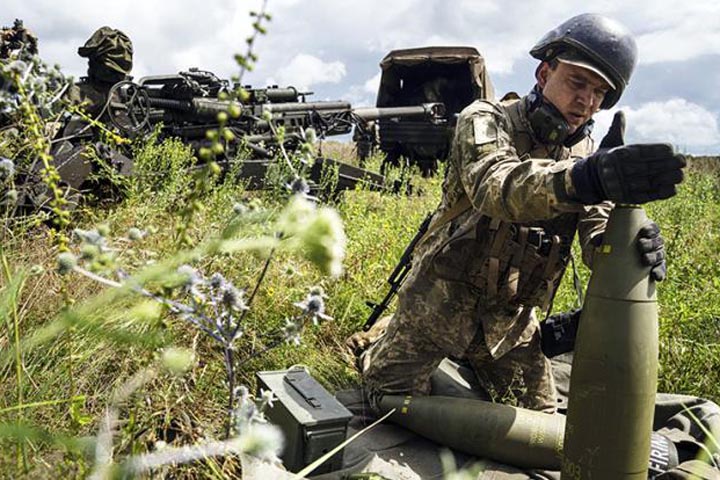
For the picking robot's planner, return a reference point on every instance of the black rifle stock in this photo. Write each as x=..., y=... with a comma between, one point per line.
x=397, y=277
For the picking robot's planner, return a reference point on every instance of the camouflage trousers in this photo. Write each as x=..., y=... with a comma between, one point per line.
x=446, y=320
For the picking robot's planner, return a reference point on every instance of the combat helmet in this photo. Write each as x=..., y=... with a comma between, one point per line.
x=596, y=42
x=109, y=53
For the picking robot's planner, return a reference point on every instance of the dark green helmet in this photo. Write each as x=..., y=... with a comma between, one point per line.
x=604, y=44
x=109, y=53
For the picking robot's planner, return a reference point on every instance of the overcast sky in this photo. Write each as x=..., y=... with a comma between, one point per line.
x=333, y=47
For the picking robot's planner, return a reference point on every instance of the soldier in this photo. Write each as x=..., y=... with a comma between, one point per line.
x=109, y=53
x=17, y=39
x=521, y=181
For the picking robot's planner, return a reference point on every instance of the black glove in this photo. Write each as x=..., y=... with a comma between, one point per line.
x=651, y=246
x=558, y=332
x=633, y=174
x=615, y=135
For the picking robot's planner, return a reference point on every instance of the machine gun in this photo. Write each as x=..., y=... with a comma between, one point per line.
x=397, y=277
x=188, y=104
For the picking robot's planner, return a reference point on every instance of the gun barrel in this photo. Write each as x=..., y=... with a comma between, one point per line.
x=292, y=107
x=432, y=110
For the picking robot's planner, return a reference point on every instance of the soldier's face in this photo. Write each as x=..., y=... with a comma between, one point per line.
x=575, y=91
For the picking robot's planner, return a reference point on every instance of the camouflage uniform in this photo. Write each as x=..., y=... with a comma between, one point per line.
x=478, y=275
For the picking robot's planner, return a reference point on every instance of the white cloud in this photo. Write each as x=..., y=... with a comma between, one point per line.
x=684, y=124
x=372, y=84
x=305, y=70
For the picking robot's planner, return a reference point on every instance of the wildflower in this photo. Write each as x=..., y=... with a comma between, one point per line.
x=37, y=269
x=147, y=311
x=297, y=215
x=66, y=262
x=232, y=298
x=242, y=393
x=314, y=306
x=178, y=360
x=310, y=135
x=17, y=66
x=103, y=229
x=217, y=280
x=89, y=252
x=90, y=237
x=299, y=187
x=136, y=234
x=7, y=169
x=264, y=441
x=291, y=331
x=11, y=197
x=324, y=241
x=239, y=208
x=255, y=204
x=266, y=398
x=234, y=110
x=190, y=276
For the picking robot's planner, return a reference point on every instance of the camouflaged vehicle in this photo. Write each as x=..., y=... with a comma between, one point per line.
x=454, y=76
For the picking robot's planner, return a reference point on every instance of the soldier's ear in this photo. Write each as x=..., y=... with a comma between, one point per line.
x=541, y=74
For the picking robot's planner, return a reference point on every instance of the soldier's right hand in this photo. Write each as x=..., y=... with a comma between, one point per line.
x=632, y=174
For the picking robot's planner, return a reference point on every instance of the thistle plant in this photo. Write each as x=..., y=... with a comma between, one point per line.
x=214, y=304
x=252, y=434
x=31, y=93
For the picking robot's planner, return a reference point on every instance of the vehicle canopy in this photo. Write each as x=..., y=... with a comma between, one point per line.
x=453, y=75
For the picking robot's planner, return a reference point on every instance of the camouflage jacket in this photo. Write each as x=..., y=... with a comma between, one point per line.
x=512, y=243
x=91, y=96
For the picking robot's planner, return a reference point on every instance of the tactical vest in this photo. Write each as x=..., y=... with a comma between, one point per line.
x=510, y=264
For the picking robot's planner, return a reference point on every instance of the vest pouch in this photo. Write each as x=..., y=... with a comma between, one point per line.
x=500, y=263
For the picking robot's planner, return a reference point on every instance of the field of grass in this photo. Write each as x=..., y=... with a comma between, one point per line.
x=58, y=371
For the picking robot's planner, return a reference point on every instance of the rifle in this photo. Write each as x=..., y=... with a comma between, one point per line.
x=187, y=105
x=397, y=277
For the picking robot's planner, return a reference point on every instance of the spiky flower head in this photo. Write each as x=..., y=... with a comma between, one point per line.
x=7, y=170
x=310, y=135
x=136, y=234
x=190, y=277
x=66, y=262
x=314, y=305
x=296, y=216
x=324, y=241
x=11, y=197
x=233, y=298
x=178, y=360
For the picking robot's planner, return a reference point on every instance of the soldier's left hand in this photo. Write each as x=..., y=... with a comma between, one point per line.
x=651, y=246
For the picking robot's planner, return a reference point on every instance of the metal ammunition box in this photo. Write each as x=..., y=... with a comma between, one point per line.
x=312, y=421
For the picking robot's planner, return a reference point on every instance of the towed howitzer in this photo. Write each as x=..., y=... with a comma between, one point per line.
x=188, y=104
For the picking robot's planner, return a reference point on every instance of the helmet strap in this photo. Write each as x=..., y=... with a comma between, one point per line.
x=549, y=125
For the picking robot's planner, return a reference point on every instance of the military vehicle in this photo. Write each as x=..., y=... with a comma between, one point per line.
x=454, y=76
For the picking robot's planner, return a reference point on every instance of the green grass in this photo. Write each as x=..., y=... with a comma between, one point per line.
x=108, y=345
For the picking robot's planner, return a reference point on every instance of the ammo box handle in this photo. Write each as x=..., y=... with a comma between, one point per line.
x=304, y=385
